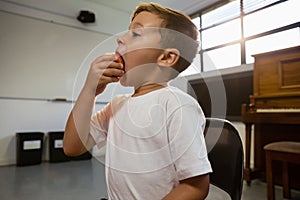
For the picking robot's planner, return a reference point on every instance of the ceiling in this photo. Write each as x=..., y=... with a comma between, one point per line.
x=187, y=6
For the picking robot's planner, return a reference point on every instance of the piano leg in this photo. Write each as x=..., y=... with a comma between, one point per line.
x=247, y=170
x=249, y=173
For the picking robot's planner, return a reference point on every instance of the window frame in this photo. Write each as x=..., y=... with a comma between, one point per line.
x=242, y=41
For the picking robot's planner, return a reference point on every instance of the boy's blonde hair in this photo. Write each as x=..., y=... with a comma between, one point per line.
x=176, y=22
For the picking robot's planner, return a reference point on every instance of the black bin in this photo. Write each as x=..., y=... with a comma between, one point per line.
x=29, y=148
x=56, y=153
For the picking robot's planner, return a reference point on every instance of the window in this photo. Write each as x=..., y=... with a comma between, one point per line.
x=271, y=18
x=221, y=14
x=272, y=42
x=196, y=21
x=222, y=34
x=222, y=57
x=194, y=68
x=230, y=33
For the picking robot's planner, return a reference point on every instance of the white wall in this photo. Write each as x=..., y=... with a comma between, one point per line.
x=240, y=126
x=38, y=114
x=64, y=12
x=28, y=116
x=43, y=45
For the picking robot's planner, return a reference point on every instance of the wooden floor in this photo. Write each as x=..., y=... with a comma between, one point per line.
x=85, y=180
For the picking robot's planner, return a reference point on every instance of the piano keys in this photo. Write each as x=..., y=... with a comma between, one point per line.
x=278, y=110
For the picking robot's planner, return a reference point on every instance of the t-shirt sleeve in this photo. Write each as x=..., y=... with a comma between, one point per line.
x=187, y=145
x=99, y=126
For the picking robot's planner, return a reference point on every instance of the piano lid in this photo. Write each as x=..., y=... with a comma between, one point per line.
x=276, y=79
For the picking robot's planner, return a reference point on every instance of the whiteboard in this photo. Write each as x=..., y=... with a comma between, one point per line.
x=40, y=59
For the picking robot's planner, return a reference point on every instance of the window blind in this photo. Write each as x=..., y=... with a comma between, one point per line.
x=232, y=10
x=252, y=5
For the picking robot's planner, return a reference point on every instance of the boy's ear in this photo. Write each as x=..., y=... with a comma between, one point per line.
x=169, y=57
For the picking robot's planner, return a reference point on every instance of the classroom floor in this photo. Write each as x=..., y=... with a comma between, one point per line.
x=84, y=180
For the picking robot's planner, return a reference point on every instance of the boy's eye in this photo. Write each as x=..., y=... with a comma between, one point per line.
x=135, y=33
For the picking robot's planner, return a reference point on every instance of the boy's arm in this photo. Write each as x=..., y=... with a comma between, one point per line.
x=77, y=139
x=195, y=188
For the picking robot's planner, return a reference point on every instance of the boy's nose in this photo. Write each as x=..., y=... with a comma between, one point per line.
x=120, y=39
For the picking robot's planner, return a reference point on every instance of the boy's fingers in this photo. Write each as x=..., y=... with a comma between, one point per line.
x=106, y=80
x=112, y=72
x=106, y=57
x=103, y=82
x=115, y=65
x=108, y=64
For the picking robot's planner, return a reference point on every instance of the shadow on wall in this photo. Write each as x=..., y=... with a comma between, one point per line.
x=8, y=146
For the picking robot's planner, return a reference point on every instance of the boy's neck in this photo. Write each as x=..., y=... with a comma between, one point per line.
x=144, y=89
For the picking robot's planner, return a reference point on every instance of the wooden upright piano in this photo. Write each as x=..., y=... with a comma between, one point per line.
x=274, y=109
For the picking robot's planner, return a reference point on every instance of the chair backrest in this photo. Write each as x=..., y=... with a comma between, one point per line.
x=225, y=153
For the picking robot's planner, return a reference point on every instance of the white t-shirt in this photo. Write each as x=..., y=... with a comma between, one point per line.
x=152, y=142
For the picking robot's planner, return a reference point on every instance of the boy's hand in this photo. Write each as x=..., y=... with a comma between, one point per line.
x=104, y=70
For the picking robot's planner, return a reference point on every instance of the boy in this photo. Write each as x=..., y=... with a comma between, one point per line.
x=154, y=139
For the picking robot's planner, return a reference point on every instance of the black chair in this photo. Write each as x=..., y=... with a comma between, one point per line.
x=225, y=153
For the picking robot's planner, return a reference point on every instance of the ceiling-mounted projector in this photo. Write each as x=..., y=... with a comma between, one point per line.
x=86, y=16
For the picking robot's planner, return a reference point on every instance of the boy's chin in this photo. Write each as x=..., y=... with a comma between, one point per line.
x=147, y=74
x=125, y=81
x=129, y=81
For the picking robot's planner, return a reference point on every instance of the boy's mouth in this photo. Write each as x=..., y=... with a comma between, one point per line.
x=120, y=59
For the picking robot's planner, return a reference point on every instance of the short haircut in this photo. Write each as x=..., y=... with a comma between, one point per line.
x=176, y=22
